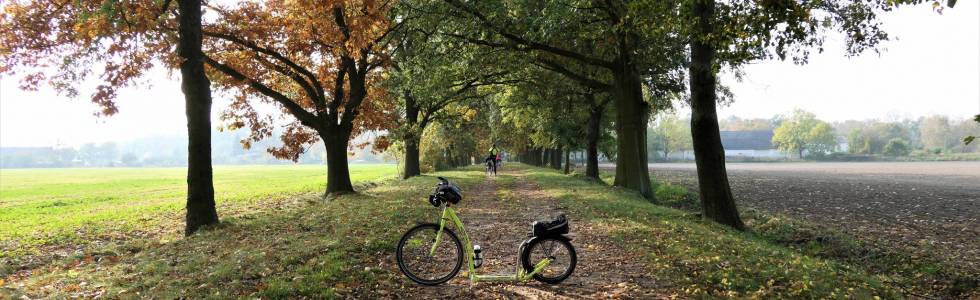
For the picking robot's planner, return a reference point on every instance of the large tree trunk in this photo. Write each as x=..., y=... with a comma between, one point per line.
x=592, y=145
x=631, y=124
x=338, y=173
x=717, y=201
x=197, y=100
x=412, y=167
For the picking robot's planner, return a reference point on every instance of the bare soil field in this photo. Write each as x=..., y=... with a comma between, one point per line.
x=912, y=204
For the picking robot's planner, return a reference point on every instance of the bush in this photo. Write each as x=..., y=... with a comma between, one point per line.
x=675, y=196
x=897, y=147
x=843, y=156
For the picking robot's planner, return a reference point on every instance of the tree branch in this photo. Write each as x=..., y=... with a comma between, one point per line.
x=338, y=17
x=584, y=80
x=310, y=91
x=320, y=96
x=532, y=44
x=305, y=117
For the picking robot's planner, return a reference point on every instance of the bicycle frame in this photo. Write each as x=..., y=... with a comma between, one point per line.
x=448, y=214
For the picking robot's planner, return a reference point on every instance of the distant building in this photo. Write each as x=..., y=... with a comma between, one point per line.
x=741, y=144
x=756, y=143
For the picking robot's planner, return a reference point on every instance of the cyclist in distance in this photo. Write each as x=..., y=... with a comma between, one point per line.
x=491, y=160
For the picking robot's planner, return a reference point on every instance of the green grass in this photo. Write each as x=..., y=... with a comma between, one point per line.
x=51, y=207
x=307, y=247
x=280, y=239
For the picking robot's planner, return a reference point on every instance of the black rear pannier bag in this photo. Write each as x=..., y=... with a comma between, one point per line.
x=556, y=226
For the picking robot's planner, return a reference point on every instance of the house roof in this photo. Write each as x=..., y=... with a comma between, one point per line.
x=747, y=140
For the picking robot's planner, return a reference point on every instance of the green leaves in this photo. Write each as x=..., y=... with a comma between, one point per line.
x=804, y=132
x=968, y=139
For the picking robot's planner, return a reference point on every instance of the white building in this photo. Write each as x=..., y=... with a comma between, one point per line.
x=741, y=144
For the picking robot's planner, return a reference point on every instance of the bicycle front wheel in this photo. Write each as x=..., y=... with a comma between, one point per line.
x=420, y=263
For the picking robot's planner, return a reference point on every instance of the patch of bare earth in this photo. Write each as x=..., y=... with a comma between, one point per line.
x=887, y=204
x=499, y=222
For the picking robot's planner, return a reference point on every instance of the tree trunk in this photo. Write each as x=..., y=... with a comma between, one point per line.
x=631, y=124
x=547, y=157
x=197, y=100
x=412, y=167
x=338, y=173
x=592, y=145
x=568, y=161
x=556, y=158
x=717, y=201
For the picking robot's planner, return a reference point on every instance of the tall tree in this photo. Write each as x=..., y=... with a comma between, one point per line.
x=283, y=52
x=629, y=41
x=317, y=60
x=597, y=108
x=197, y=100
x=737, y=32
x=430, y=73
x=63, y=43
x=803, y=132
x=717, y=201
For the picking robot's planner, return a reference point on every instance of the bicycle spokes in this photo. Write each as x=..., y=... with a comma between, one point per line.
x=426, y=255
x=552, y=257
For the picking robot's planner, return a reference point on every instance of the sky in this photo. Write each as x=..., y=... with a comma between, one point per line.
x=931, y=66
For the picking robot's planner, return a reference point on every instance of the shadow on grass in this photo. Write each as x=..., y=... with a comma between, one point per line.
x=802, y=259
x=314, y=248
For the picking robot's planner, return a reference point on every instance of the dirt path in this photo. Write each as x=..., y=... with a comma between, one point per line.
x=499, y=222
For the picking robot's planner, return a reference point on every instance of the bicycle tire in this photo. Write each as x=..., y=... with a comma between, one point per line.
x=529, y=266
x=447, y=233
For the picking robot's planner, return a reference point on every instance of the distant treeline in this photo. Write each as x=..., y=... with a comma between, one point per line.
x=163, y=151
x=801, y=132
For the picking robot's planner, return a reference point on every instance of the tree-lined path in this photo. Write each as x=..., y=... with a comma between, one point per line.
x=439, y=86
x=293, y=244
x=497, y=213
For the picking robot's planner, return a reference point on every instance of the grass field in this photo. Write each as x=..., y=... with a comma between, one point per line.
x=280, y=240
x=51, y=207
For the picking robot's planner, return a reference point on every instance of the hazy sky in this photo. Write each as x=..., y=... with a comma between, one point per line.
x=932, y=66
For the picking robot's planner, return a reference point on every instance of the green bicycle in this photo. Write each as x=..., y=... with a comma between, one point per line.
x=432, y=254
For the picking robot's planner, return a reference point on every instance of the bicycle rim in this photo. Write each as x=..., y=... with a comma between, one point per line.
x=414, y=257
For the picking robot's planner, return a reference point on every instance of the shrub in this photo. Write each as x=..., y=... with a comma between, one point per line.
x=897, y=147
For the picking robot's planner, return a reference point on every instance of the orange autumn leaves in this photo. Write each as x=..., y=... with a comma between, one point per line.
x=324, y=56
x=296, y=48
x=60, y=43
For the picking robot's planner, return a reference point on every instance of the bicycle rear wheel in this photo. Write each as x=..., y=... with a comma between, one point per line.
x=559, y=250
x=415, y=261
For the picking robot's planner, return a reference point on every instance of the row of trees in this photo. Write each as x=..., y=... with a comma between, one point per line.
x=531, y=75
x=165, y=151
x=802, y=133
x=569, y=63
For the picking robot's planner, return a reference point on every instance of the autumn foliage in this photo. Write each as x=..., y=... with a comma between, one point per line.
x=316, y=60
